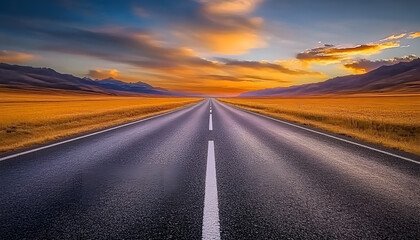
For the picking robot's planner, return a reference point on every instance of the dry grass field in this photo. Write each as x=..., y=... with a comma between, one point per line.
x=28, y=118
x=393, y=121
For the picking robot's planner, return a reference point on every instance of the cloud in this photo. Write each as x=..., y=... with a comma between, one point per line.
x=365, y=65
x=130, y=45
x=230, y=6
x=414, y=35
x=223, y=27
x=251, y=74
x=227, y=78
x=14, y=57
x=264, y=79
x=265, y=65
x=331, y=54
x=394, y=37
x=243, y=78
x=103, y=73
x=402, y=35
x=233, y=42
x=134, y=47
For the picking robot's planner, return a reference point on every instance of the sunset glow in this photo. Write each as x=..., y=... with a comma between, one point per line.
x=220, y=47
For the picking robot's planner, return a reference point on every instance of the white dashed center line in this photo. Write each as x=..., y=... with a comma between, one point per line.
x=211, y=225
x=210, y=123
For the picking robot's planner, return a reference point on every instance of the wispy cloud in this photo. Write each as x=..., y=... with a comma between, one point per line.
x=394, y=37
x=414, y=35
x=227, y=78
x=223, y=27
x=230, y=6
x=265, y=65
x=332, y=54
x=134, y=47
x=15, y=57
x=103, y=73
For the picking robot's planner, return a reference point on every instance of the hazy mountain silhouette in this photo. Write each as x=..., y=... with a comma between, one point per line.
x=138, y=87
x=403, y=77
x=25, y=77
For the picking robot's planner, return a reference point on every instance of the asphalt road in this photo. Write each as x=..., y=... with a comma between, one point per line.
x=198, y=173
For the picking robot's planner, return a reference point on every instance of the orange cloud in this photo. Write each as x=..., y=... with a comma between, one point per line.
x=231, y=42
x=230, y=76
x=14, y=57
x=414, y=35
x=230, y=6
x=245, y=78
x=223, y=27
x=103, y=73
x=331, y=54
x=394, y=37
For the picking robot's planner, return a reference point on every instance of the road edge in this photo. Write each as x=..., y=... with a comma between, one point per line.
x=35, y=148
x=324, y=133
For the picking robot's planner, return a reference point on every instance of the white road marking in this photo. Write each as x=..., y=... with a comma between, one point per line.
x=88, y=135
x=211, y=224
x=331, y=136
x=210, y=123
x=210, y=110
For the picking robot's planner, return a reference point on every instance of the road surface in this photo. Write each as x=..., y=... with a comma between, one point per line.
x=210, y=171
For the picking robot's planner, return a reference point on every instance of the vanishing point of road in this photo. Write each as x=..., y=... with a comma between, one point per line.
x=210, y=171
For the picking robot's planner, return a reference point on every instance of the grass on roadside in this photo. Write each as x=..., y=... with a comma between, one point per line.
x=393, y=121
x=28, y=118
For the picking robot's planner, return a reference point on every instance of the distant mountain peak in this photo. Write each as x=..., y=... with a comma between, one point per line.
x=17, y=76
x=403, y=77
x=109, y=80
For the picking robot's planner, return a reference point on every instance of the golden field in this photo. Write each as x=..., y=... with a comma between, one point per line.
x=393, y=121
x=28, y=118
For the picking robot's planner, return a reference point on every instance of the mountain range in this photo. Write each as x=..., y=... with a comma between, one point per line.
x=403, y=77
x=25, y=77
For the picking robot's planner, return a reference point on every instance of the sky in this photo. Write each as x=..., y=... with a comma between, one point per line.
x=214, y=47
